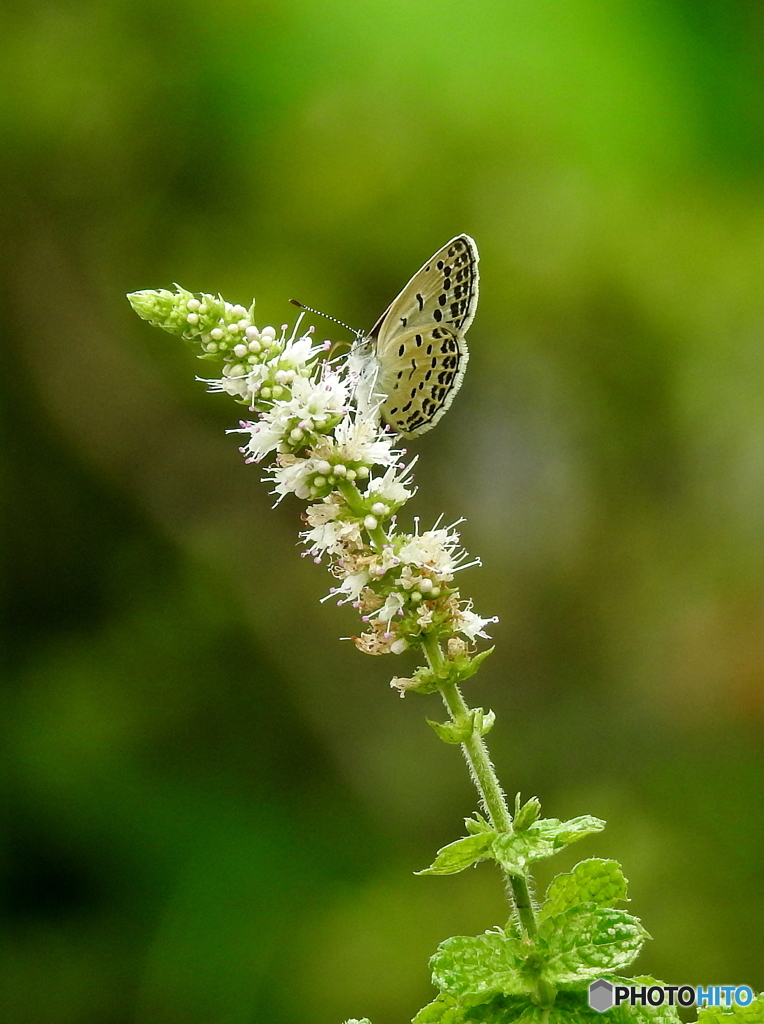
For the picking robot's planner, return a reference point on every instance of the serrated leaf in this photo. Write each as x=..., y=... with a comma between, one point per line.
x=586, y=942
x=502, y=1010
x=474, y=969
x=542, y=839
x=643, y=1015
x=751, y=1014
x=625, y=1014
x=591, y=881
x=460, y=854
x=573, y=1008
x=442, y=1010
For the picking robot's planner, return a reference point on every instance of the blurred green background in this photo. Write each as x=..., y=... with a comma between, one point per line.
x=211, y=808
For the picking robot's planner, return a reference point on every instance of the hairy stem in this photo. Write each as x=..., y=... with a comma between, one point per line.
x=486, y=780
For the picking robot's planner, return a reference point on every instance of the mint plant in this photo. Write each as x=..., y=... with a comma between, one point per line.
x=321, y=447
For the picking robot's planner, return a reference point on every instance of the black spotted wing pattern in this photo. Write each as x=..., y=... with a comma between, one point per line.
x=419, y=344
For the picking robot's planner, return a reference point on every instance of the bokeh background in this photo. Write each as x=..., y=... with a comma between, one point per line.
x=212, y=808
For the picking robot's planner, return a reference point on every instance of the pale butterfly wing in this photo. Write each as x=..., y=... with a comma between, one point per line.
x=414, y=358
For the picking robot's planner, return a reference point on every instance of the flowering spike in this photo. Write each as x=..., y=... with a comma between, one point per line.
x=321, y=448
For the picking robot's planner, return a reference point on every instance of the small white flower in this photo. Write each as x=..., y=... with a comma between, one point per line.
x=471, y=624
x=358, y=440
x=239, y=382
x=324, y=512
x=311, y=404
x=292, y=476
x=424, y=618
x=329, y=533
x=264, y=437
x=434, y=549
x=391, y=486
x=299, y=352
x=393, y=604
x=382, y=561
x=315, y=401
x=353, y=585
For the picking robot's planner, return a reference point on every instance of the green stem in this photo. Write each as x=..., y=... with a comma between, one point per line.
x=378, y=537
x=486, y=780
x=353, y=497
x=475, y=750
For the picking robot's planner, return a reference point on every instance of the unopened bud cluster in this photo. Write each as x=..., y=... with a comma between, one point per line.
x=327, y=453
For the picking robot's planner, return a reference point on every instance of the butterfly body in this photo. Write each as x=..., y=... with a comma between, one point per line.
x=412, y=362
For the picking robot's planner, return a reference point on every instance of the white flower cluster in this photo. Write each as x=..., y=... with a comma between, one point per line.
x=328, y=453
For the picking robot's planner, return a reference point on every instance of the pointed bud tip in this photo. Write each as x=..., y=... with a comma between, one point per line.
x=527, y=813
x=143, y=302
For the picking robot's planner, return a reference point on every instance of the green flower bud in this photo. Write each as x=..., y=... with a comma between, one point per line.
x=527, y=814
x=191, y=316
x=161, y=308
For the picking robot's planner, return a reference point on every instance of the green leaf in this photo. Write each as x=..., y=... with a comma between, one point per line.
x=569, y=1008
x=442, y=1010
x=451, y=670
x=461, y=854
x=502, y=1010
x=751, y=1014
x=477, y=721
x=642, y=1014
x=541, y=839
x=573, y=1008
x=462, y=666
x=475, y=969
x=452, y=732
x=591, y=881
x=587, y=941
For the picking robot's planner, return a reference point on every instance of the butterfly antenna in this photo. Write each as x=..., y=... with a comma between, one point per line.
x=318, y=312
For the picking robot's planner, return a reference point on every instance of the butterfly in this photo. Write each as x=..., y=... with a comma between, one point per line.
x=411, y=363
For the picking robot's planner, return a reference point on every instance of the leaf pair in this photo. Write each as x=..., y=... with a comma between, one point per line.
x=571, y=949
x=516, y=850
x=581, y=937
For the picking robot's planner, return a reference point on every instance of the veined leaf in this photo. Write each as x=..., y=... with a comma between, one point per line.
x=461, y=854
x=475, y=969
x=542, y=839
x=591, y=881
x=751, y=1014
x=587, y=941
